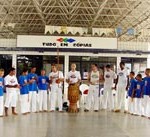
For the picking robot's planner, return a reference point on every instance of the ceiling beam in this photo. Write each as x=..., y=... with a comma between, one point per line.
x=100, y=9
x=39, y=11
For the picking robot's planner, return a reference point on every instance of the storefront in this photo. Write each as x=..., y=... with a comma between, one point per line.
x=42, y=51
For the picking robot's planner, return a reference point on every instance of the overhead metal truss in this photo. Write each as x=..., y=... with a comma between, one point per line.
x=31, y=16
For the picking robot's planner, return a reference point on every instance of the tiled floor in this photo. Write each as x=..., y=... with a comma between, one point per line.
x=91, y=124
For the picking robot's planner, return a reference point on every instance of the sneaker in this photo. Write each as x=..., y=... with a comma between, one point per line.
x=86, y=110
x=95, y=110
x=117, y=110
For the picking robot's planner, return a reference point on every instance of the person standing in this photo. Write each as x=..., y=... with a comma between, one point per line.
x=138, y=95
x=1, y=92
x=32, y=79
x=131, y=93
x=43, y=82
x=146, y=94
x=11, y=84
x=122, y=86
x=56, y=78
x=94, y=78
x=24, y=92
x=109, y=77
x=73, y=79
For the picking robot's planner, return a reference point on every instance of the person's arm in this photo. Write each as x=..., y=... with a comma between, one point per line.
x=127, y=83
x=88, y=78
x=67, y=79
x=101, y=76
x=12, y=86
x=116, y=82
x=79, y=78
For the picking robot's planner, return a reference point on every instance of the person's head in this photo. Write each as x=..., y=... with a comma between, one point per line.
x=147, y=72
x=33, y=69
x=25, y=71
x=132, y=74
x=43, y=72
x=73, y=66
x=94, y=67
x=1, y=72
x=122, y=65
x=12, y=71
x=108, y=67
x=54, y=68
x=139, y=77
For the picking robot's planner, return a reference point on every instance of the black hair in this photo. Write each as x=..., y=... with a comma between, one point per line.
x=11, y=69
x=33, y=66
x=94, y=64
x=108, y=66
x=24, y=70
x=139, y=75
x=132, y=73
x=122, y=63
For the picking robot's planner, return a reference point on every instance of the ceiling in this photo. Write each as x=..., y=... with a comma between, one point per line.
x=31, y=16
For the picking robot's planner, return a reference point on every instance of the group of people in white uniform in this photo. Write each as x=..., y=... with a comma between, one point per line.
x=105, y=86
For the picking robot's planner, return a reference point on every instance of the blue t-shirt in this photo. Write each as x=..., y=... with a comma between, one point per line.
x=32, y=86
x=43, y=82
x=24, y=89
x=1, y=86
x=132, y=87
x=146, y=86
x=139, y=89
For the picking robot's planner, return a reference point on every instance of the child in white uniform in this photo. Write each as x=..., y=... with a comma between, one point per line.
x=43, y=82
x=24, y=92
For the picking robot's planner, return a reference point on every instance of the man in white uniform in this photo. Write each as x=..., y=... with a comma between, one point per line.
x=122, y=83
x=11, y=84
x=56, y=78
x=109, y=77
x=74, y=77
x=94, y=78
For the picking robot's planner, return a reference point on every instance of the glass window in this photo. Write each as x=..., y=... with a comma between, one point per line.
x=6, y=63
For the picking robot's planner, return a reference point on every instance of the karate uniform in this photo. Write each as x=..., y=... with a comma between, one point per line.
x=121, y=88
x=43, y=87
x=56, y=91
x=146, y=99
x=131, y=101
x=11, y=93
x=1, y=96
x=93, y=93
x=24, y=94
x=33, y=92
x=109, y=77
x=138, y=97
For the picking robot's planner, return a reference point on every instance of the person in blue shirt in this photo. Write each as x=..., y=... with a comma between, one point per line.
x=43, y=83
x=138, y=95
x=1, y=92
x=131, y=93
x=146, y=94
x=24, y=92
x=32, y=79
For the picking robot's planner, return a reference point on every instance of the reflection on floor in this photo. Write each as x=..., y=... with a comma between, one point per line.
x=91, y=124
